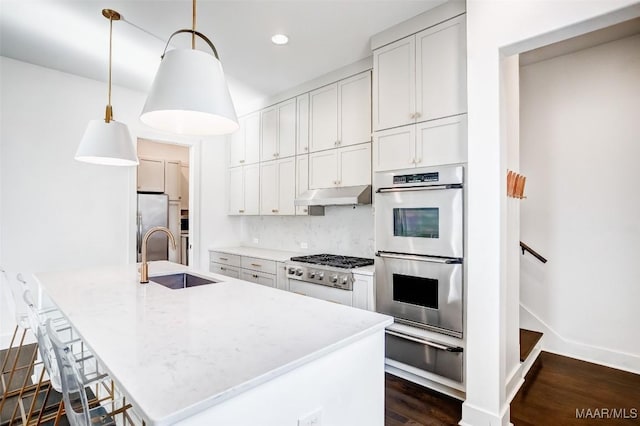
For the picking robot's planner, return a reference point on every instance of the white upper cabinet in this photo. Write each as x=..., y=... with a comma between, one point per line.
x=184, y=186
x=394, y=82
x=244, y=144
x=244, y=192
x=354, y=105
x=441, y=70
x=421, y=77
x=150, y=175
x=431, y=143
x=302, y=180
x=279, y=131
x=278, y=187
x=269, y=145
x=323, y=118
x=347, y=166
x=172, y=176
x=302, y=119
x=340, y=113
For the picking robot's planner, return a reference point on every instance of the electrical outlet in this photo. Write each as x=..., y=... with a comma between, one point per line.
x=304, y=245
x=256, y=241
x=312, y=419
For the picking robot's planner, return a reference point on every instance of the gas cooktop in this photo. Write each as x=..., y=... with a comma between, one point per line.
x=347, y=262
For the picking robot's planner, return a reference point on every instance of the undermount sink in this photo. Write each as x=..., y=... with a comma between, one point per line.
x=181, y=280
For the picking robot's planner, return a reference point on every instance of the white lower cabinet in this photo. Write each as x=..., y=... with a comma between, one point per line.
x=261, y=278
x=244, y=193
x=259, y=271
x=278, y=187
x=347, y=166
x=430, y=143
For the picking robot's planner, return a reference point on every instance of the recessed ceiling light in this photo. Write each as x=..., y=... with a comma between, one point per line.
x=280, y=39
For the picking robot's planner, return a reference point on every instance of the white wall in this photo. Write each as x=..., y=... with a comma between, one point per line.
x=342, y=230
x=495, y=28
x=580, y=145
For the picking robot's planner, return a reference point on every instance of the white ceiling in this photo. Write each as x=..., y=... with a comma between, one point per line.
x=72, y=36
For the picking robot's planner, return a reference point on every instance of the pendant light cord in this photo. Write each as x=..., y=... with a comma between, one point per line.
x=193, y=26
x=109, y=114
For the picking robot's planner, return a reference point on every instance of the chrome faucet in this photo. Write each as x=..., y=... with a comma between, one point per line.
x=144, y=268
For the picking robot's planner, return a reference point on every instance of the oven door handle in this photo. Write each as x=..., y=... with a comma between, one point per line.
x=425, y=342
x=419, y=257
x=419, y=188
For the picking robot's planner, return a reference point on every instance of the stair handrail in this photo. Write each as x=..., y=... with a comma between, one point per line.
x=534, y=253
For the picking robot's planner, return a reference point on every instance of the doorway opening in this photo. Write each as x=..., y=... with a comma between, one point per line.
x=162, y=199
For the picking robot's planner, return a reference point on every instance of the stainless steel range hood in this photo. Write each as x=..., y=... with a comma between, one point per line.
x=340, y=196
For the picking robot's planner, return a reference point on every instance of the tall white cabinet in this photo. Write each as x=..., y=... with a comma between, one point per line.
x=244, y=144
x=421, y=77
x=278, y=187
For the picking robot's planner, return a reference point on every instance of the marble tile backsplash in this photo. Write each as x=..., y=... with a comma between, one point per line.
x=342, y=230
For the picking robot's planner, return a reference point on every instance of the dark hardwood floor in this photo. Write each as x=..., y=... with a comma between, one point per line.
x=528, y=341
x=554, y=389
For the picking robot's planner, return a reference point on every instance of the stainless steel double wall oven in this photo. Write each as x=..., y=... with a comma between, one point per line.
x=419, y=221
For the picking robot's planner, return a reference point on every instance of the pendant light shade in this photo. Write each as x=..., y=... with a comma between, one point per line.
x=107, y=142
x=189, y=95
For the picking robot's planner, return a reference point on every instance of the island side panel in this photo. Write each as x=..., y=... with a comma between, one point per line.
x=346, y=385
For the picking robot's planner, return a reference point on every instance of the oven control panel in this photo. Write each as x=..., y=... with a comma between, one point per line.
x=416, y=178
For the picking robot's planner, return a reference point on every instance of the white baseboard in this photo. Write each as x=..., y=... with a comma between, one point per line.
x=555, y=343
x=514, y=382
x=413, y=375
x=475, y=416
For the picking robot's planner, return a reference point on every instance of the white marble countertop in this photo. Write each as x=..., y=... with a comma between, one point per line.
x=178, y=352
x=258, y=252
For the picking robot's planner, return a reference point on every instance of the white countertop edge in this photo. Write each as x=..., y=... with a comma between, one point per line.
x=258, y=252
x=256, y=381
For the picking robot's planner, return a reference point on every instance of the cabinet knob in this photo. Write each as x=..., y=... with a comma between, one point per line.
x=418, y=115
x=240, y=211
x=412, y=161
x=180, y=197
x=275, y=155
x=306, y=148
x=419, y=160
x=412, y=116
x=274, y=211
x=305, y=210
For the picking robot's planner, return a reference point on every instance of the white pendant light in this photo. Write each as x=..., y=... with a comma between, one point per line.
x=107, y=142
x=189, y=94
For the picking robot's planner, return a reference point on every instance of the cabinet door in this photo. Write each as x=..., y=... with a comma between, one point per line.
x=252, y=138
x=442, y=141
x=236, y=144
x=172, y=175
x=354, y=108
x=323, y=118
x=287, y=129
x=302, y=111
x=219, y=268
x=150, y=175
x=302, y=180
x=394, y=92
x=269, y=135
x=252, y=189
x=174, y=227
x=323, y=169
x=236, y=190
x=354, y=163
x=394, y=148
x=286, y=186
x=268, y=280
x=441, y=70
x=269, y=188
x=184, y=186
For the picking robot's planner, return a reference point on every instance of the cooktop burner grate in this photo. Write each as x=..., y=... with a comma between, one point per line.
x=347, y=262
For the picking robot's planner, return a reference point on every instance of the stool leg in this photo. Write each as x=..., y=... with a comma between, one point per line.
x=13, y=370
x=6, y=357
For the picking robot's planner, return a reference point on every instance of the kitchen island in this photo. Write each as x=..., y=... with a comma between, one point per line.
x=228, y=353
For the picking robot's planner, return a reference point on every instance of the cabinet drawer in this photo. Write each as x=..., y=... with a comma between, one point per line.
x=224, y=258
x=261, y=265
x=268, y=280
x=229, y=271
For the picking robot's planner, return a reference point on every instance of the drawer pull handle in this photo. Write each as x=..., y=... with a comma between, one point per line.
x=241, y=161
x=240, y=211
x=222, y=268
x=223, y=258
x=256, y=265
x=254, y=276
x=274, y=211
x=425, y=342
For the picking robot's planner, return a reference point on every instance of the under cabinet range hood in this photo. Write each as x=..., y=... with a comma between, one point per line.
x=340, y=196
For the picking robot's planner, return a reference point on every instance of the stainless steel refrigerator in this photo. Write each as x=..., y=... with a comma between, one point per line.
x=153, y=210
